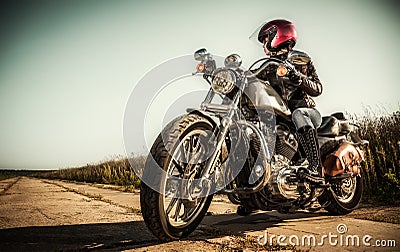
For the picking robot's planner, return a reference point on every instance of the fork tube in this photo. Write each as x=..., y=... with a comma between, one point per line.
x=226, y=122
x=208, y=99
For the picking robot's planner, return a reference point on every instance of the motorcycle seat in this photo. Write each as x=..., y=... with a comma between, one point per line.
x=329, y=127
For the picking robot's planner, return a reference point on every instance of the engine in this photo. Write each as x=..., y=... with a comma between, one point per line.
x=286, y=144
x=281, y=170
x=281, y=176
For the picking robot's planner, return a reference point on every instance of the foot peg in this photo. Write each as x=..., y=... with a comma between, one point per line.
x=306, y=175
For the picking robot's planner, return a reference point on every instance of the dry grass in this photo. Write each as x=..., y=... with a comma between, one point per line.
x=117, y=171
x=381, y=170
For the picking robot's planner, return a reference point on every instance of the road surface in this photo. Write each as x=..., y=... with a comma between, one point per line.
x=46, y=215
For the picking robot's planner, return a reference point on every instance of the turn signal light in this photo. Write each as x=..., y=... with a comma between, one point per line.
x=281, y=71
x=200, y=68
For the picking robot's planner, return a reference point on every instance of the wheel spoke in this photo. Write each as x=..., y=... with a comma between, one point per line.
x=195, y=143
x=171, y=205
x=191, y=146
x=185, y=214
x=185, y=149
x=191, y=154
x=177, y=210
x=178, y=166
x=184, y=153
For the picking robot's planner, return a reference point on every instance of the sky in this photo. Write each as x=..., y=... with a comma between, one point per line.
x=68, y=68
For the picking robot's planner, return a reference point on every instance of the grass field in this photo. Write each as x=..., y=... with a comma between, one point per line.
x=381, y=170
x=117, y=171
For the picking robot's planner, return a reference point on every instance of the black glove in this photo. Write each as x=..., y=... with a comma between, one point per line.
x=295, y=77
x=311, y=87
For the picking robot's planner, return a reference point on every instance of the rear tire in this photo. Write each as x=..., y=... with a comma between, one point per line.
x=340, y=203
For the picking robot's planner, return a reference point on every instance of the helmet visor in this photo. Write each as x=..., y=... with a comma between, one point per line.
x=254, y=35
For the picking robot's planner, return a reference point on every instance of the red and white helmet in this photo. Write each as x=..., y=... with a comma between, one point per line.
x=281, y=33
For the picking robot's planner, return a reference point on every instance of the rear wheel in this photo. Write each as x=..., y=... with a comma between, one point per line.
x=344, y=195
x=177, y=207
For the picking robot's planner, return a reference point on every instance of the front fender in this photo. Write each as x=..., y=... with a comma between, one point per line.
x=204, y=114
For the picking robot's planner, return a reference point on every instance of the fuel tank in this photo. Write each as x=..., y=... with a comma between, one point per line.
x=262, y=96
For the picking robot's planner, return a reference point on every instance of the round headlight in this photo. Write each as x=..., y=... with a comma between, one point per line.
x=223, y=81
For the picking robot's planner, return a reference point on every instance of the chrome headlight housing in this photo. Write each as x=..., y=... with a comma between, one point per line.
x=233, y=61
x=223, y=81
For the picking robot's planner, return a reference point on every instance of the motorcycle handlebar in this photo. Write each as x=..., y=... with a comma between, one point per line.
x=270, y=62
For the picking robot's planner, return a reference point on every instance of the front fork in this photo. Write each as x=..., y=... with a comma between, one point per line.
x=218, y=142
x=226, y=122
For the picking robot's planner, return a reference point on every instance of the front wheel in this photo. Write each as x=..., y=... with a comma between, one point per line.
x=167, y=213
x=343, y=196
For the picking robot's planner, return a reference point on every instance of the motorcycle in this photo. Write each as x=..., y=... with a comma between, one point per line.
x=245, y=146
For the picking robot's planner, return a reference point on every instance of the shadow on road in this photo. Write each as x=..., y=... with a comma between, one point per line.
x=258, y=221
x=128, y=235
x=76, y=237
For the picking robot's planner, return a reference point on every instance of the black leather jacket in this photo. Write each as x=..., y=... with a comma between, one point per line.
x=295, y=96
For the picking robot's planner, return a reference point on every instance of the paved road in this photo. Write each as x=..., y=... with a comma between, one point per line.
x=46, y=215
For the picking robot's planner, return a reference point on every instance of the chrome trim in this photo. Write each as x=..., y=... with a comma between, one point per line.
x=201, y=54
x=233, y=61
x=217, y=108
x=228, y=111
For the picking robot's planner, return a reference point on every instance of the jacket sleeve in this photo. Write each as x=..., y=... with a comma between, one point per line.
x=310, y=83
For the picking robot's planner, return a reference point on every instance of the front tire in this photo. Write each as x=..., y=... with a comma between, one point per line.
x=162, y=213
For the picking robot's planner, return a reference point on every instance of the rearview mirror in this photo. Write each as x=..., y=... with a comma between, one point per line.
x=201, y=54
